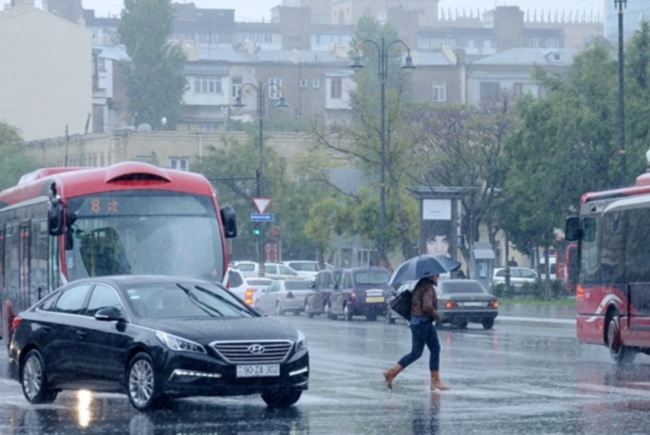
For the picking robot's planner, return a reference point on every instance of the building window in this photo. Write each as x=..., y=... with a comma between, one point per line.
x=552, y=43
x=208, y=126
x=303, y=83
x=234, y=87
x=489, y=91
x=336, y=88
x=557, y=57
x=180, y=163
x=275, y=88
x=487, y=43
x=521, y=89
x=207, y=85
x=424, y=42
x=533, y=42
x=315, y=83
x=439, y=91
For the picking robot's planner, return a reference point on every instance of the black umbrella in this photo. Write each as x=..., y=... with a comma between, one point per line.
x=423, y=266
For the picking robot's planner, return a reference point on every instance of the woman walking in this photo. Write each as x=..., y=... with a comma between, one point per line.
x=424, y=312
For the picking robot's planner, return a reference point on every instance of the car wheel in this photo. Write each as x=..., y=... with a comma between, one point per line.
x=488, y=323
x=278, y=311
x=281, y=398
x=142, y=386
x=389, y=316
x=347, y=314
x=308, y=311
x=34, y=380
x=620, y=354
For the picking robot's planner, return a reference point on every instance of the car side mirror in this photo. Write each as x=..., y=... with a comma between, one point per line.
x=108, y=314
x=55, y=219
x=228, y=218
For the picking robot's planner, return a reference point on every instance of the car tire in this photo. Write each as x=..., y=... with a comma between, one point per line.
x=278, y=311
x=389, y=316
x=620, y=353
x=281, y=398
x=488, y=323
x=33, y=379
x=142, y=385
x=461, y=324
x=347, y=314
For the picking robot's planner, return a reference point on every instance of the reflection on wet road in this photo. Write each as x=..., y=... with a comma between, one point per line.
x=518, y=378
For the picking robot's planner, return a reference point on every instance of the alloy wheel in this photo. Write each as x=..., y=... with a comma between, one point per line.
x=141, y=382
x=32, y=376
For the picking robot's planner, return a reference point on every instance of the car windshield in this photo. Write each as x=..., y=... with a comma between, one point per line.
x=374, y=277
x=461, y=287
x=144, y=232
x=170, y=300
x=297, y=285
x=305, y=267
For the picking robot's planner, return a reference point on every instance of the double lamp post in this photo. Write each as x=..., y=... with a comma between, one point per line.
x=357, y=64
x=259, y=177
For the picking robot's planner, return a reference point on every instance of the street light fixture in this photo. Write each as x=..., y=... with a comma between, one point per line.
x=259, y=91
x=356, y=65
x=621, y=90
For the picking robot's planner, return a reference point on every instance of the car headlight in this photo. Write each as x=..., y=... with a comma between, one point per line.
x=301, y=343
x=179, y=344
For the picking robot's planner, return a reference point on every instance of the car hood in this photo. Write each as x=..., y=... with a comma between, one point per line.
x=209, y=330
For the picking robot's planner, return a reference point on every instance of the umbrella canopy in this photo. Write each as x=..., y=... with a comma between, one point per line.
x=423, y=266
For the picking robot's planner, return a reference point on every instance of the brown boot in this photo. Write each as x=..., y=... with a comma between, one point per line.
x=436, y=384
x=390, y=374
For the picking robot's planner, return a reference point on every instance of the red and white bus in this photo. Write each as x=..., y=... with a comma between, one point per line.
x=62, y=224
x=613, y=269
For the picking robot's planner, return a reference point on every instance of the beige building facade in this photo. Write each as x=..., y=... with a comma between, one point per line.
x=45, y=72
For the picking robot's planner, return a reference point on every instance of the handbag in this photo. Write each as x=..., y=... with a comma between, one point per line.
x=402, y=304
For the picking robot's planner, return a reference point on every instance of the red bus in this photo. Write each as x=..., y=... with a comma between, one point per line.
x=613, y=269
x=62, y=224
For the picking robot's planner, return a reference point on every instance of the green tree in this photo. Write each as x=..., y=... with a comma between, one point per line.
x=14, y=163
x=154, y=77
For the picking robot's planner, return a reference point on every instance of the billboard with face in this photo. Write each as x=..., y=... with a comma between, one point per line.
x=437, y=232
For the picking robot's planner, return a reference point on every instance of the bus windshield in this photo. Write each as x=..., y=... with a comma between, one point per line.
x=144, y=232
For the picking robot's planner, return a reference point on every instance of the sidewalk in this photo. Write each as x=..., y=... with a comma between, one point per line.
x=537, y=313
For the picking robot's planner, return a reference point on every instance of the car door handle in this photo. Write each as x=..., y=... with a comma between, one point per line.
x=81, y=334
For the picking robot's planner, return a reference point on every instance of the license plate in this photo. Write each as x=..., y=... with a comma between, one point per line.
x=375, y=299
x=254, y=371
x=474, y=304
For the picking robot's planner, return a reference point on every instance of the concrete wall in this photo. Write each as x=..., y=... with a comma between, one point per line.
x=45, y=73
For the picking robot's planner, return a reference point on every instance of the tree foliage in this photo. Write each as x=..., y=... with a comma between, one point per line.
x=154, y=77
x=13, y=161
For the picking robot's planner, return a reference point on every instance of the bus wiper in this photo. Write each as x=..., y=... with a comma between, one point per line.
x=221, y=298
x=196, y=301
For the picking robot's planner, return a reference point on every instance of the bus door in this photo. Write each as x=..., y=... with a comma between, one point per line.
x=637, y=253
x=38, y=259
x=23, y=266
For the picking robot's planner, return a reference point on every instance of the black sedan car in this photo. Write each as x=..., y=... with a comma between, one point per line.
x=155, y=338
x=361, y=291
x=461, y=301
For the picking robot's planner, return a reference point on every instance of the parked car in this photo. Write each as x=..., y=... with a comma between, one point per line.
x=154, y=338
x=518, y=276
x=318, y=301
x=361, y=291
x=461, y=301
x=244, y=287
x=306, y=268
x=284, y=295
x=271, y=270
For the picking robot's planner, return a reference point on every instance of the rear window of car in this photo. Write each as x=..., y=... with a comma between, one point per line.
x=234, y=279
x=297, y=285
x=501, y=272
x=461, y=287
x=370, y=278
x=246, y=267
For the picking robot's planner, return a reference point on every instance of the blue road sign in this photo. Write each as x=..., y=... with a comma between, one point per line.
x=262, y=217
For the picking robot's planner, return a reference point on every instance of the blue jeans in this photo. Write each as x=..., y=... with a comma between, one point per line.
x=421, y=334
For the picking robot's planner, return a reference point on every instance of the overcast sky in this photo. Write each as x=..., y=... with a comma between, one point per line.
x=255, y=10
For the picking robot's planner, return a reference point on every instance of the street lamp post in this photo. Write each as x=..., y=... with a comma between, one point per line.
x=259, y=91
x=357, y=64
x=621, y=90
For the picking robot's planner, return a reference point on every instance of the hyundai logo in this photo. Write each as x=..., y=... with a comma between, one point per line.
x=256, y=349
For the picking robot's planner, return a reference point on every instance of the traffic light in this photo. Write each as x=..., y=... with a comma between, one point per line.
x=256, y=232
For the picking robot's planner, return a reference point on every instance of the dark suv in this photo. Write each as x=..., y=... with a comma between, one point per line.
x=361, y=291
x=318, y=301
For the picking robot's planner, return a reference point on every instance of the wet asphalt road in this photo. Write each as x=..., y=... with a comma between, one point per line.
x=522, y=377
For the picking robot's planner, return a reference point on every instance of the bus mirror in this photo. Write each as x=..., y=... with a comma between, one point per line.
x=229, y=222
x=572, y=230
x=55, y=218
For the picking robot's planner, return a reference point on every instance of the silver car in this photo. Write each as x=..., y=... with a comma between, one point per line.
x=284, y=295
x=518, y=276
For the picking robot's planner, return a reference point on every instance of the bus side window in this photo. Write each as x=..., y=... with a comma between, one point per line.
x=54, y=266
